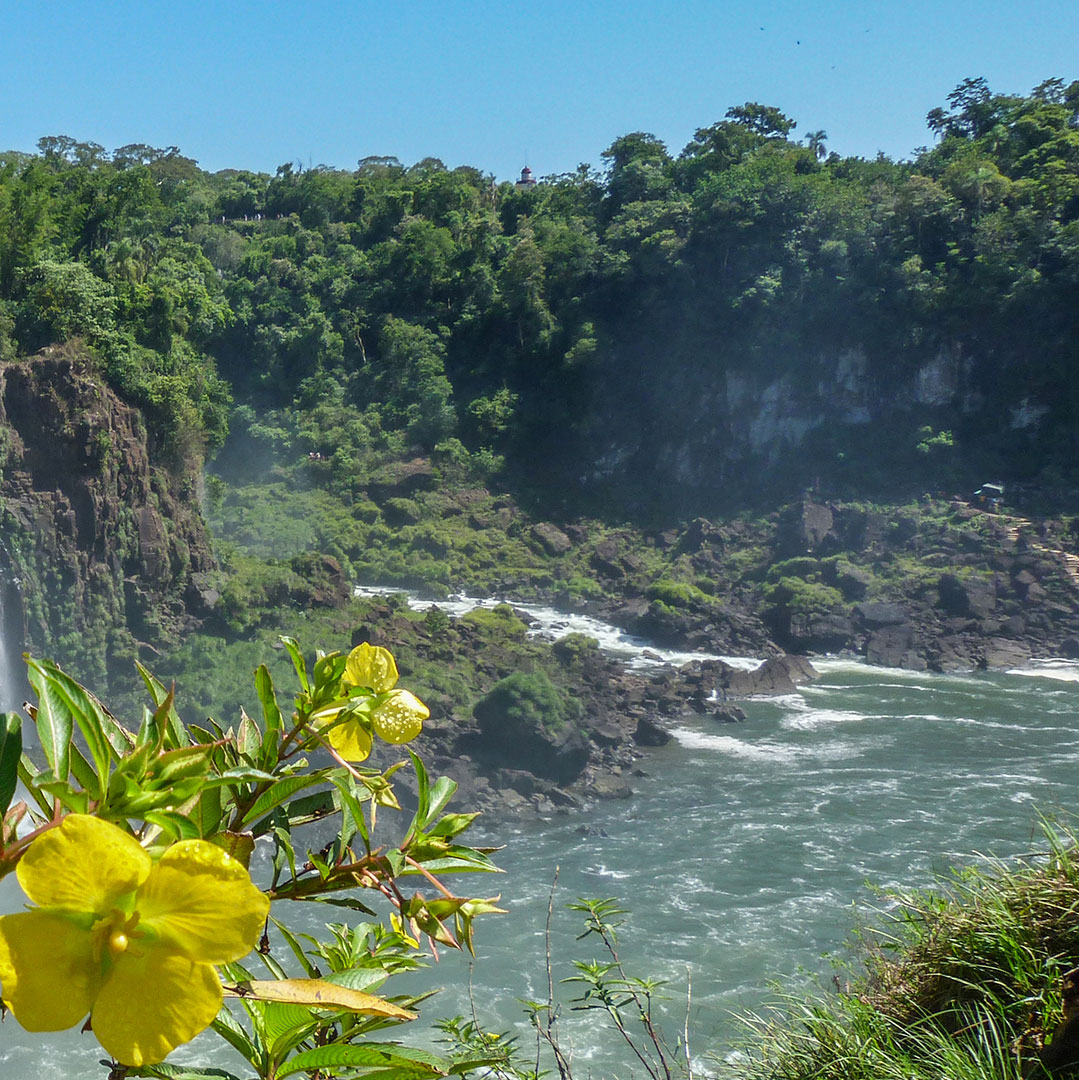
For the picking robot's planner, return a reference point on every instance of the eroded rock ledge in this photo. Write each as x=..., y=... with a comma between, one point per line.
x=97, y=539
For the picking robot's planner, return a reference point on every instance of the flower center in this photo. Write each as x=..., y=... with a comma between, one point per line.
x=114, y=934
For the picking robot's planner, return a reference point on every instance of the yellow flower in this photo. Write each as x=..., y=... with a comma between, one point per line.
x=123, y=938
x=394, y=715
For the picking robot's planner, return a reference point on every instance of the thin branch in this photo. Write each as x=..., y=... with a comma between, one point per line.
x=685, y=1026
x=548, y=1031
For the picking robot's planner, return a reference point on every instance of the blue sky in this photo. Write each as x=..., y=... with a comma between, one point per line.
x=497, y=85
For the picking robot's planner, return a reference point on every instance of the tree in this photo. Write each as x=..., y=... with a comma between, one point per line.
x=815, y=141
x=763, y=120
x=638, y=168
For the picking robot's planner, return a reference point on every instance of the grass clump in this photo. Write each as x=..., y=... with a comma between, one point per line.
x=973, y=980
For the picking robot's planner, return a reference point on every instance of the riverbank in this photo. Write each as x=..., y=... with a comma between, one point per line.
x=934, y=584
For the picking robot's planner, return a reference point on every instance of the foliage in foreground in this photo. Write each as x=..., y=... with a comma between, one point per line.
x=136, y=843
x=974, y=981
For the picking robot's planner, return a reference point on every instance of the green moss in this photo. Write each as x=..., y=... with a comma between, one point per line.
x=500, y=621
x=802, y=567
x=801, y=597
x=678, y=594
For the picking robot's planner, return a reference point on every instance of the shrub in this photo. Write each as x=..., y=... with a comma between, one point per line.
x=573, y=648
x=528, y=700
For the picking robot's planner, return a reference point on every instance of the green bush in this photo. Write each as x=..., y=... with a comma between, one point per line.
x=573, y=648
x=401, y=511
x=801, y=567
x=802, y=597
x=678, y=594
x=500, y=620
x=530, y=699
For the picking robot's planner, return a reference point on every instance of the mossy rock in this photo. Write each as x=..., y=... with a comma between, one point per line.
x=526, y=722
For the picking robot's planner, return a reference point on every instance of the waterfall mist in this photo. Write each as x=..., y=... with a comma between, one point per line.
x=13, y=685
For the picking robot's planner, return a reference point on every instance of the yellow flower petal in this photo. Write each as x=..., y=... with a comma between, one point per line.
x=48, y=975
x=200, y=901
x=350, y=739
x=152, y=1002
x=400, y=717
x=84, y=865
x=371, y=666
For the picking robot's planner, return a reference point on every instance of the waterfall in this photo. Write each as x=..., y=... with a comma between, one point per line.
x=13, y=687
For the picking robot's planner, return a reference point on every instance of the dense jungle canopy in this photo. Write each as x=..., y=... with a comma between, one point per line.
x=356, y=315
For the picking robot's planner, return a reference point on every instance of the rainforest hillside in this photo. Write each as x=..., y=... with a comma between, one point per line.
x=671, y=332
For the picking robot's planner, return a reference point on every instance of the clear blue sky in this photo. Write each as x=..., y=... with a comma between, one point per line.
x=500, y=84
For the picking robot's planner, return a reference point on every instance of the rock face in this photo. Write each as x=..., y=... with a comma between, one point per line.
x=963, y=588
x=96, y=538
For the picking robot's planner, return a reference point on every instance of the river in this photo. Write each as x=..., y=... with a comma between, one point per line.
x=746, y=847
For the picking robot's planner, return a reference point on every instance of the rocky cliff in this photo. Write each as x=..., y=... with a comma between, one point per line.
x=694, y=435
x=103, y=553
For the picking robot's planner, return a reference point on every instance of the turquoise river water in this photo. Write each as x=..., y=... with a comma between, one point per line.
x=744, y=851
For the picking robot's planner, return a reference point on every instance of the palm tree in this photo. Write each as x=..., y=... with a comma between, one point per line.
x=815, y=142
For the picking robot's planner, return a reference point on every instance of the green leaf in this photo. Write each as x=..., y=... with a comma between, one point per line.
x=271, y=714
x=340, y=901
x=307, y=808
x=386, y=1058
x=359, y=978
x=318, y=994
x=227, y=1026
x=207, y=811
x=241, y=846
x=242, y=774
x=351, y=812
x=249, y=738
x=30, y=775
x=54, y=723
x=285, y=1026
x=10, y=750
x=423, y=792
x=181, y=764
x=465, y=861
x=297, y=949
x=82, y=770
x=281, y=791
x=298, y=662
x=452, y=825
x=176, y=825
x=62, y=702
x=442, y=791
x=162, y=698
x=78, y=802
x=179, y=1072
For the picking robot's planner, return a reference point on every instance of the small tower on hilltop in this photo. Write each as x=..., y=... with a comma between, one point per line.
x=527, y=180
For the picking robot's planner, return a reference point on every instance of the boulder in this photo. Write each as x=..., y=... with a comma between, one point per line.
x=852, y=581
x=1004, y=653
x=779, y=675
x=824, y=632
x=890, y=645
x=973, y=596
x=873, y=616
x=551, y=538
x=728, y=714
x=519, y=729
x=649, y=733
